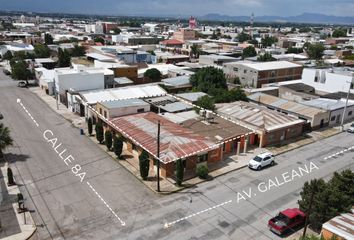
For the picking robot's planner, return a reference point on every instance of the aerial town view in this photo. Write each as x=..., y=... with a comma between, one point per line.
x=177, y=120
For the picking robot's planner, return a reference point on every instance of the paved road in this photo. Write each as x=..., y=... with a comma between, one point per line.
x=69, y=209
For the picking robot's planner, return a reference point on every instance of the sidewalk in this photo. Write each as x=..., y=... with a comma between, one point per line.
x=27, y=228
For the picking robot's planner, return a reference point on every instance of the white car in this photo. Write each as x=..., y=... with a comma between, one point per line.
x=262, y=160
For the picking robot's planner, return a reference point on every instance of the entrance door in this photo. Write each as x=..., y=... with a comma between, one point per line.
x=322, y=123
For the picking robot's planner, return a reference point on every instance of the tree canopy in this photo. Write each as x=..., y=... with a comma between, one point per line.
x=267, y=57
x=330, y=198
x=208, y=78
x=20, y=71
x=249, y=51
x=48, y=39
x=268, y=41
x=64, y=58
x=205, y=102
x=5, y=138
x=41, y=51
x=340, y=32
x=315, y=51
x=100, y=40
x=154, y=74
x=78, y=51
x=243, y=37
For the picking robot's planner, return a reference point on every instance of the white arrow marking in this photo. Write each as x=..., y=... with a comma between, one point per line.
x=105, y=203
x=28, y=113
x=167, y=225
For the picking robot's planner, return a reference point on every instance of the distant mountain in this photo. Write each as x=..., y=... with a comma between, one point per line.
x=303, y=18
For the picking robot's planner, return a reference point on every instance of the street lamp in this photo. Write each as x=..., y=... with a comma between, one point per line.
x=351, y=83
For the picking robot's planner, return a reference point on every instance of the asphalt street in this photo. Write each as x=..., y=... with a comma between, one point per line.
x=65, y=208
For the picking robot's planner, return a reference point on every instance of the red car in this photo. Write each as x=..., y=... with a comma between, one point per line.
x=287, y=219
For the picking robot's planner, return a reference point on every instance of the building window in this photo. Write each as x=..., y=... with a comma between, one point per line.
x=333, y=118
x=272, y=73
x=350, y=113
x=203, y=158
x=235, y=69
x=224, y=147
x=141, y=110
x=101, y=111
x=245, y=71
x=105, y=114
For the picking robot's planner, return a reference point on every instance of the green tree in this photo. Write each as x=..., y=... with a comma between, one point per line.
x=249, y=51
x=78, y=51
x=41, y=51
x=179, y=172
x=5, y=138
x=117, y=146
x=243, y=37
x=89, y=126
x=205, y=102
x=294, y=50
x=99, y=132
x=330, y=199
x=334, y=47
x=144, y=165
x=153, y=74
x=202, y=171
x=117, y=31
x=48, y=39
x=268, y=41
x=207, y=78
x=19, y=71
x=315, y=51
x=340, y=32
x=195, y=50
x=304, y=30
x=10, y=177
x=108, y=139
x=267, y=57
x=253, y=41
x=100, y=40
x=64, y=59
x=7, y=56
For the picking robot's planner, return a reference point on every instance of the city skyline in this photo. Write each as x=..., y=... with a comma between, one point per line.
x=184, y=7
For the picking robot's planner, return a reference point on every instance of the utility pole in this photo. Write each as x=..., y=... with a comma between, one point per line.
x=308, y=213
x=346, y=103
x=158, y=156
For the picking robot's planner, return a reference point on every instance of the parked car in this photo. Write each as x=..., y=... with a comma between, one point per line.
x=22, y=84
x=351, y=129
x=262, y=160
x=6, y=72
x=286, y=220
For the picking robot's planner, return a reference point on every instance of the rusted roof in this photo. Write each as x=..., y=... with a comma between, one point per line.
x=175, y=141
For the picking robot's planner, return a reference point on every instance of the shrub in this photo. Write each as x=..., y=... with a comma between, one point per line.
x=202, y=171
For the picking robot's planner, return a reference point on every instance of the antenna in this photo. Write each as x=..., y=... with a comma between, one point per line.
x=251, y=25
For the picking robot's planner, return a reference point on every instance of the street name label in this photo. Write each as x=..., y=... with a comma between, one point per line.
x=68, y=159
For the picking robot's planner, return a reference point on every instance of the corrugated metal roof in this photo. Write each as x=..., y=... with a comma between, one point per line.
x=342, y=226
x=130, y=92
x=255, y=116
x=176, y=107
x=124, y=103
x=177, y=81
x=328, y=104
x=192, y=97
x=296, y=108
x=175, y=141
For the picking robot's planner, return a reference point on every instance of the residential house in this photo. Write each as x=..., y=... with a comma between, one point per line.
x=118, y=108
x=255, y=74
x=314, y=116
x=270, y=127
x=339, y=228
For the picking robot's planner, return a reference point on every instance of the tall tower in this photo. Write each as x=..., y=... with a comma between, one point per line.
x=251, y=25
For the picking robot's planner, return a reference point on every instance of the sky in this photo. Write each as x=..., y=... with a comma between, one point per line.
x=184, y=7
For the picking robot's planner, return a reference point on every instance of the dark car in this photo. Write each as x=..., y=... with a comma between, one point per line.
x=6, y=72
x=286, y=220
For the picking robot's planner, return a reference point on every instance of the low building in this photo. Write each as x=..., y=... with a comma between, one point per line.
x=255, y=74
x=168, y=104
x=176, y=142
x=232, y=137
x=171, y=43
x=314, y=116
x=184, y=34
x=329, y=80
x=215, y=59
x=270, y=127
x=177, y=84
x=191, y=97
x=297, y=92
x=118, y=108
x=339, y=228
x=335, y=109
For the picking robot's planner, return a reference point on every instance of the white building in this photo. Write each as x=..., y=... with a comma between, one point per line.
x=96, y=28
x=328, y=80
